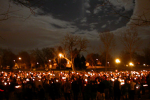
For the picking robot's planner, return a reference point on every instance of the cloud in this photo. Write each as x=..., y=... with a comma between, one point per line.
x=86, y=4
x=120, y=18
x=84, y=20
x=141, y=12
x=87, y=11
x=103, y=26
x=47, y=30
x=126, y=4
x=97, y=10
x=34, y=32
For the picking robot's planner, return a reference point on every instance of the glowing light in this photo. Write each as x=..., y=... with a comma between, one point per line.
x=145, y=85
x=117, y=61
x=27, y=79
x=137, y=87
x=86, y=80
x=112, y=79
x=63, y=78
x=5, y=83
x=131, y=64
x=18, y=86
x=144, y=64
x=60, y=55
x=20, y=58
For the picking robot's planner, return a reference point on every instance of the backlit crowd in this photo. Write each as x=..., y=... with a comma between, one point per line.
x=32, y=85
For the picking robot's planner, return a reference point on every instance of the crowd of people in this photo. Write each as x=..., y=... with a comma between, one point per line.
x=73, y=85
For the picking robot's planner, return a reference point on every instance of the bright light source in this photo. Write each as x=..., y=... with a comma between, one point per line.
x=19, y=58
x=5, y=83
x=60, y=55
x=144, y=64
x=86, y=80
x=18, y=86
x=131, y=64
x=63, y=78
x=117, y=61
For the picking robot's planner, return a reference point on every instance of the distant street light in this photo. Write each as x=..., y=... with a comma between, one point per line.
x=50, y=66
x=118, y=62
x=131, y=64
x=20, y=58
x=61, y=55
x=20, y=62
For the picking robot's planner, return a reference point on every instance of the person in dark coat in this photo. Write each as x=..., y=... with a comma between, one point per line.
x=67, y=90
x=100, y=91
x=41, y=93
x=117, y=90
x=93, y=90
x=1, y=91
x=52, y=90
x=125, y=90
x=75, y=89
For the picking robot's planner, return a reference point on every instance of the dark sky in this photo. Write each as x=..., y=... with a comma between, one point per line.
x=55, y=18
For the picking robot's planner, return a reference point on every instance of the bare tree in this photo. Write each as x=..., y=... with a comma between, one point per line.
x=43, y=56
x=74, y=45
x=93, y=59
x=108, y=40
x=5, y=15
x=31, y=4
x=130, y=41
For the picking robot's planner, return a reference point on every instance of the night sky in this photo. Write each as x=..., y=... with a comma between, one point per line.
x=54, y=18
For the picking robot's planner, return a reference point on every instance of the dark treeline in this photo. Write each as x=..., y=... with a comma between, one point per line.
x=38, y=58
x=43, y=58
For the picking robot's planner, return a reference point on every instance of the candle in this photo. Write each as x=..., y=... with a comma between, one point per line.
x=63, y=78
x=86, y=80
x=18, y=86
x=27, y=79
x=5, y=83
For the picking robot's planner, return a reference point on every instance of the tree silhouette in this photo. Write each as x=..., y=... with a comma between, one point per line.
x=74, y=45
x=107, y=38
